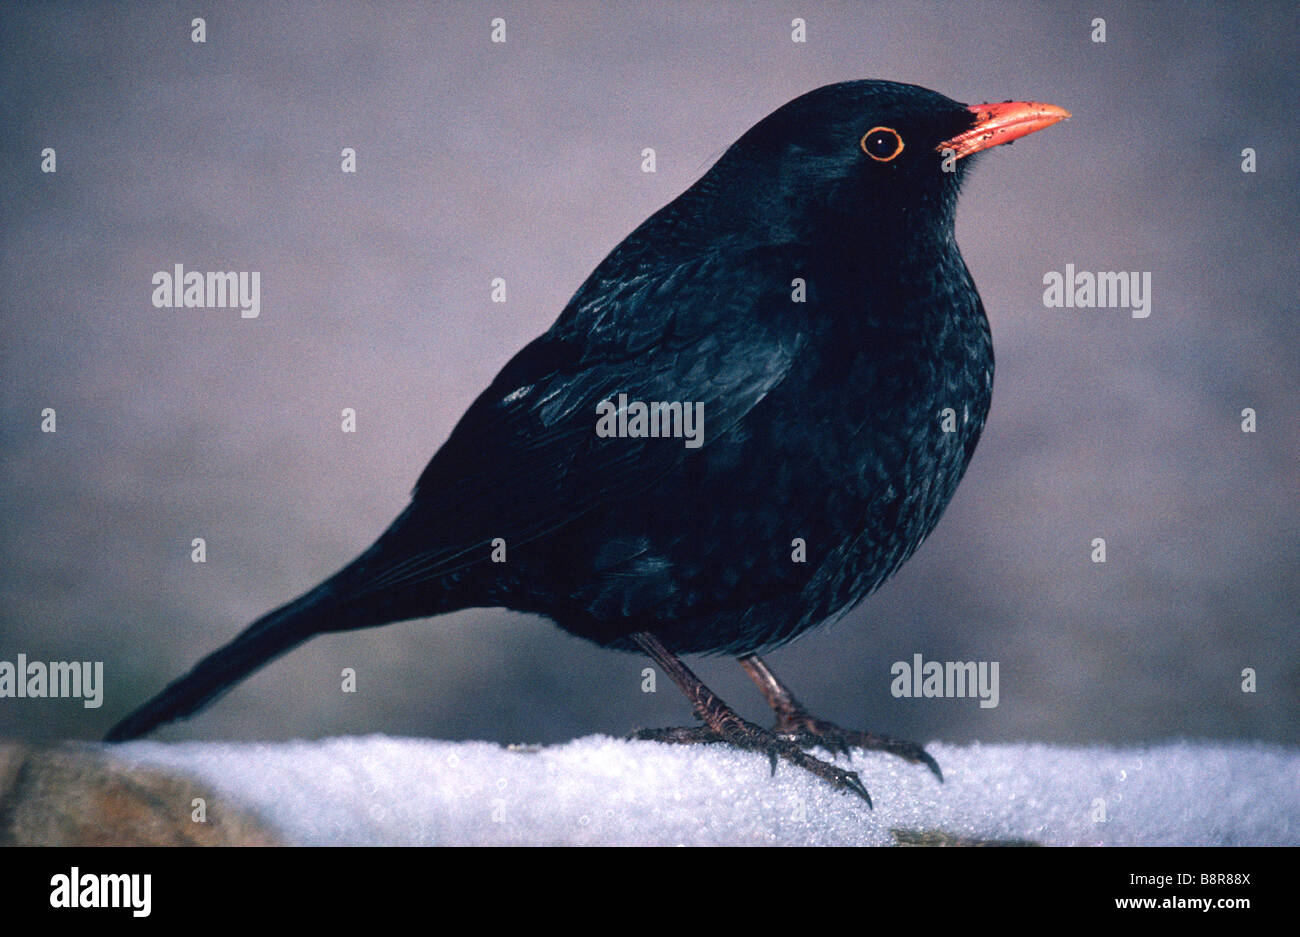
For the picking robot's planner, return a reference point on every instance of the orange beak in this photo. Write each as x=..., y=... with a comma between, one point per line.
x=1001, y=123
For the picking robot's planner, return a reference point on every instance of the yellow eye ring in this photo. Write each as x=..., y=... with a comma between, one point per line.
x=882, y=143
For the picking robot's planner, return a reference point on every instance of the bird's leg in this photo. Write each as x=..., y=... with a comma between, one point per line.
x=722, y=724
x=795, y=723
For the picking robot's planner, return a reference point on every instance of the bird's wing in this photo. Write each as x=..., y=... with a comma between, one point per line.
x=526, y=458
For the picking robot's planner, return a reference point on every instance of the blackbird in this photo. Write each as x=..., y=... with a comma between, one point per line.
x=752, y=412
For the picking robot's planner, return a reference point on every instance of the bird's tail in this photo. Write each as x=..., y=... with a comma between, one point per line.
x=261, y=642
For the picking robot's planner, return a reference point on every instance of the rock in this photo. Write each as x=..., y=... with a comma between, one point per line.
x=69, y=795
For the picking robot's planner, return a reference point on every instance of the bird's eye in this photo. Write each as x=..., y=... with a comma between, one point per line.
x=882, y=144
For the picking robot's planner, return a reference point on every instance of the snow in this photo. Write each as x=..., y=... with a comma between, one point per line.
x=377, y=790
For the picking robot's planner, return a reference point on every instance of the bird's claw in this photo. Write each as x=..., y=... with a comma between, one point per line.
x=750, y=737
x=809, y=732
x=677, y=735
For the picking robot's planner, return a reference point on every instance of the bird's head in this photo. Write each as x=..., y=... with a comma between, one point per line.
x=875, y=158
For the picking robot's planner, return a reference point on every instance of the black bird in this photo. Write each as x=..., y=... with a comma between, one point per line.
x=806, y=298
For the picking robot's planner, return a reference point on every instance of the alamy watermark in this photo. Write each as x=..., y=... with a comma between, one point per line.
x=953, y=679
x=1107, y=289
x=637, y=419
x=105, y=890
x=215, y=289
x=59, y=679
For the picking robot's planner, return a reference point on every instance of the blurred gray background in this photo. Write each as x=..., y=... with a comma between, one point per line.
x=523, y=161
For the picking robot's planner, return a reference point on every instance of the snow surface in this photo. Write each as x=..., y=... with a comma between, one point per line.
x=377, y=790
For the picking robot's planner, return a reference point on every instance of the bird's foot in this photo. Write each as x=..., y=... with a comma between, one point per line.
x=807, y=731
x=722, y=724
x=678, y=735
x=746, y=735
